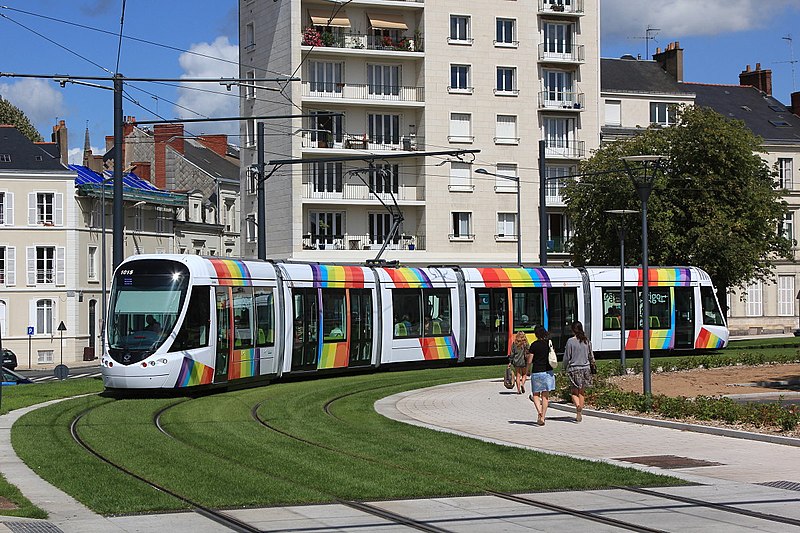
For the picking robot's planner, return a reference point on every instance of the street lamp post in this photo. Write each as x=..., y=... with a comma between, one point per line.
x=515, y=179
x=621, y=230
x=643, y=178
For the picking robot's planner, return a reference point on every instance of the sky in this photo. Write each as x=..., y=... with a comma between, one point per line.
x=198, y=38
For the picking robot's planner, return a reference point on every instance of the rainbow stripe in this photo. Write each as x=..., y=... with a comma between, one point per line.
x=337, y=277
x=514, y=277
x=243, y=364
x=666, y=277
x=334, y=355
x=706, y=340
x=408, y=278
x=193, y=373
x=659, y=340
x=231, y=272
x=438, y=347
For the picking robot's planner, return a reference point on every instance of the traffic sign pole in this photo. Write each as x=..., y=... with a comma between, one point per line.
x=30, y=337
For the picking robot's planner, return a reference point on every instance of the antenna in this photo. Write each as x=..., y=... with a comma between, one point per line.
x=792, y=60
x=649, y=35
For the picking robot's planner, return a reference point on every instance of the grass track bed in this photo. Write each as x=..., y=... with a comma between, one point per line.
x=222, y=457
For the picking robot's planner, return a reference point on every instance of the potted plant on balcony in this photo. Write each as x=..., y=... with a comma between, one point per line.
x=328, y=38
x=311, y=37
x=387, y=42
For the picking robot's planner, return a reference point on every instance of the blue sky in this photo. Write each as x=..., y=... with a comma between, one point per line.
x=719, y=38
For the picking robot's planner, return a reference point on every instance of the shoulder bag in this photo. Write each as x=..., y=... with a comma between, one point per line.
x=508, y=379
x=552, y=360
x=592, y=363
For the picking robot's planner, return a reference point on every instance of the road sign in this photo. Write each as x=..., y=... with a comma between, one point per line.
x=61, y=371
x=30, y=330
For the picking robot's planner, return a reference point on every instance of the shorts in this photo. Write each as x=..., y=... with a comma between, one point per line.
x=543, y=381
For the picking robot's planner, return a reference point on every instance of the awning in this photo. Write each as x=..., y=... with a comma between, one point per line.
x=387, y=21
x=319, y=17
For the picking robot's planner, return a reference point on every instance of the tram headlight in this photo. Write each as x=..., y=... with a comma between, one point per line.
x=162, y=361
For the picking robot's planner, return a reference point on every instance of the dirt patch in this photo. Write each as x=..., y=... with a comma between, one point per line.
x=716, y=381
x=7, y=505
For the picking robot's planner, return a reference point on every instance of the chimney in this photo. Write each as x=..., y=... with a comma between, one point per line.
x=143, y=169
x=671, y=60
x=796, y=103
x=164, y=134
x=127, y=126
x=59, y=137
x=217, y=143
x=760, y=79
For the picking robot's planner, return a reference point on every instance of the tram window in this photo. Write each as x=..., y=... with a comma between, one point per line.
x=407, y=312
x=265, y=309
x=437, y=320
x=612, y=309
x=660, y=308
x=334, y=315
x=242, y=317
x=194, y=331
x=712, y=316
x=528, y=308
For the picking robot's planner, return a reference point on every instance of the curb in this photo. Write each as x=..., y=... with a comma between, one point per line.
x=683, y=426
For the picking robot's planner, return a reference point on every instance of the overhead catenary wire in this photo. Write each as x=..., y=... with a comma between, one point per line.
x=119, y=44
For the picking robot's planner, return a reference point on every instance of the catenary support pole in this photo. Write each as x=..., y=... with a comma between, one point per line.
x=542, y=206
x=262, y=194
x=119, y=212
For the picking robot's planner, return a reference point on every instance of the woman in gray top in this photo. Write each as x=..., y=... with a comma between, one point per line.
x=577, y=356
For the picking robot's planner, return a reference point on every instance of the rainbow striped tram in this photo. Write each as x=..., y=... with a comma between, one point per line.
x=184, y=321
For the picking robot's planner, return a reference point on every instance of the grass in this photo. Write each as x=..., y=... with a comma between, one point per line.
x=222, y=458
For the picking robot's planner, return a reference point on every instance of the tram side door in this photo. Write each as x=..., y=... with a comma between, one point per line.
x=562, y=311
x=224, y=333
x=305, y=329
x=684, y=318
x=360, y=327
x=491, y=328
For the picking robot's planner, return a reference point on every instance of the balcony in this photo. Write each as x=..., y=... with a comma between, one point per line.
x=558, y=245
x=361, y=141
x=361, y=41
x=554, y=199
x=561, y=101
x=564, y=149
x=362, y=242
x=361, y=192
x=561, y=7
x=325, y=91
x=557, y=52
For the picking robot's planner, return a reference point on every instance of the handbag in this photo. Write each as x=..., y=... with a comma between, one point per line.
x=592, y=363
x=552, y=360
x=508, y=380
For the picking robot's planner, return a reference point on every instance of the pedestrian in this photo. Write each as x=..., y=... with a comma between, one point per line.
x=577, y=358
x=519, y=359
x=542, y=378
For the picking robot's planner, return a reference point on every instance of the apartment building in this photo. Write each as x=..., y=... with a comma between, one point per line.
x=406, y=77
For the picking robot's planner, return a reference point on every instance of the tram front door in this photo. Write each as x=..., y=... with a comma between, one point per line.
x=684, y=318
x=360, y=327
x=224, y=333
x=305, y=329
x=491, y=328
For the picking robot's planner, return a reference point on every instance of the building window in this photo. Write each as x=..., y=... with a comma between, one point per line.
x=7, y=208
x=506, y=130
x=459, y=79
x=327, y=177
x=92, y=263
x=753, y=307
x=5, y=158
x=558, y=233
x=460, y=31
x=44, y=317
x=249, y=36
x=506, y=81
x=613, y=112
x=460, y=128
x=461, y=177
x=788, y=226
x=506, y=32
x=8, y=273
x=163, y=221
x=506, y=185
x=44, y=208
x=785, y=173
x=662, y=113
x=325, y=77
x=556, y=182
x=138, y=220
x=559, y=137
x=44, y=357
x=45, y=264
x=786, y=295
x=558, y=41
x=251, y=232
x=384, y=129
x=383, y=80
x=462, y=226
x=326, y=227
x=2, y=208
x=558, y=89
x=384, y=178
x=250, y=134
x=506, y=225
x=250, y=86
x=2, y=265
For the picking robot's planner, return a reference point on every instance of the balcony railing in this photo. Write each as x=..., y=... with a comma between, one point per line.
x=361, y=141
x=558, y=245
x=561, y=6
x=360, y=41
x=561, y=53
x=362, y=242
x=561, y=100
x=363, y=91
x=564, y=149
x=360, y=191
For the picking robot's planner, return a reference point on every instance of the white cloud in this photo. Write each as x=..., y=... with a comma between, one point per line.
x=212, y=100
x=40, y=100
x=685, y=18
x=75, y=155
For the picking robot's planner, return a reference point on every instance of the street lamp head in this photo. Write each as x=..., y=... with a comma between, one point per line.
x=621, y=211
x=481, y=171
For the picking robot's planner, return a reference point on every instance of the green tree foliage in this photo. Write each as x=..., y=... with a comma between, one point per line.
x=715, y=206
x=10, y=114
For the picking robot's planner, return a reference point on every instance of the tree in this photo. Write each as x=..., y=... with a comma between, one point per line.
x=10, y=114
x=715, y=206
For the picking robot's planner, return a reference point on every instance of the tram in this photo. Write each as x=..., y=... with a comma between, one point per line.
x=185, y=321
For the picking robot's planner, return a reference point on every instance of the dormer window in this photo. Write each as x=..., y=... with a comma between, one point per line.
x=5, y=158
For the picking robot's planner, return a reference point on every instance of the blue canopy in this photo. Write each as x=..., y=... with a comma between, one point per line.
x=91, y=183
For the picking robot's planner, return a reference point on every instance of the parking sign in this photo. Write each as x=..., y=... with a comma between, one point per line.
x=30, y=330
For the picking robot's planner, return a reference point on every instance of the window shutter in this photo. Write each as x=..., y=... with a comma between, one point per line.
x=11, y=266
x=32, y=315
x=31, y=208
x=58, y=211
x=31, y=254
x=61, y=277
x=9, y=209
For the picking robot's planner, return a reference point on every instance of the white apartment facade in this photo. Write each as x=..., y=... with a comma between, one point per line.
x=413, y=76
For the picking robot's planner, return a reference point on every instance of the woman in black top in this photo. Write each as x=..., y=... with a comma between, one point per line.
x=542, y=378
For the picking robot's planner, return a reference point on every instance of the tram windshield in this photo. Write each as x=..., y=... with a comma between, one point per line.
x=146, y=299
